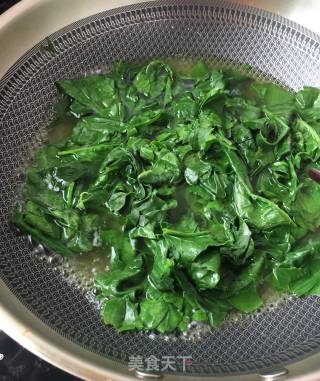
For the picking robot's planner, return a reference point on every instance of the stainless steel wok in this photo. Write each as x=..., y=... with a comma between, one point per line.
x=38, y=307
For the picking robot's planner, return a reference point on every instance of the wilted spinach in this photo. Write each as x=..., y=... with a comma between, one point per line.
x=196, y=186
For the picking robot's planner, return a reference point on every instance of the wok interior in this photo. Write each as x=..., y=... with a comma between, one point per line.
x=222, y=33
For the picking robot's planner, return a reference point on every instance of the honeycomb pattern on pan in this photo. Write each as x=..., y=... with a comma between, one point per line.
x=274, y=47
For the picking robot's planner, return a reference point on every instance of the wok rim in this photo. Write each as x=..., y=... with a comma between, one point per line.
x=33, y=334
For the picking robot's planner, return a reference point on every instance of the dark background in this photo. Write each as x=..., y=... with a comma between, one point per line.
x=18, y=364
x=5, y=4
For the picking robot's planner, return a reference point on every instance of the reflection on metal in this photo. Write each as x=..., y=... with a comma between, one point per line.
x=273, y=373
x=146, y=375
x=302, y=12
